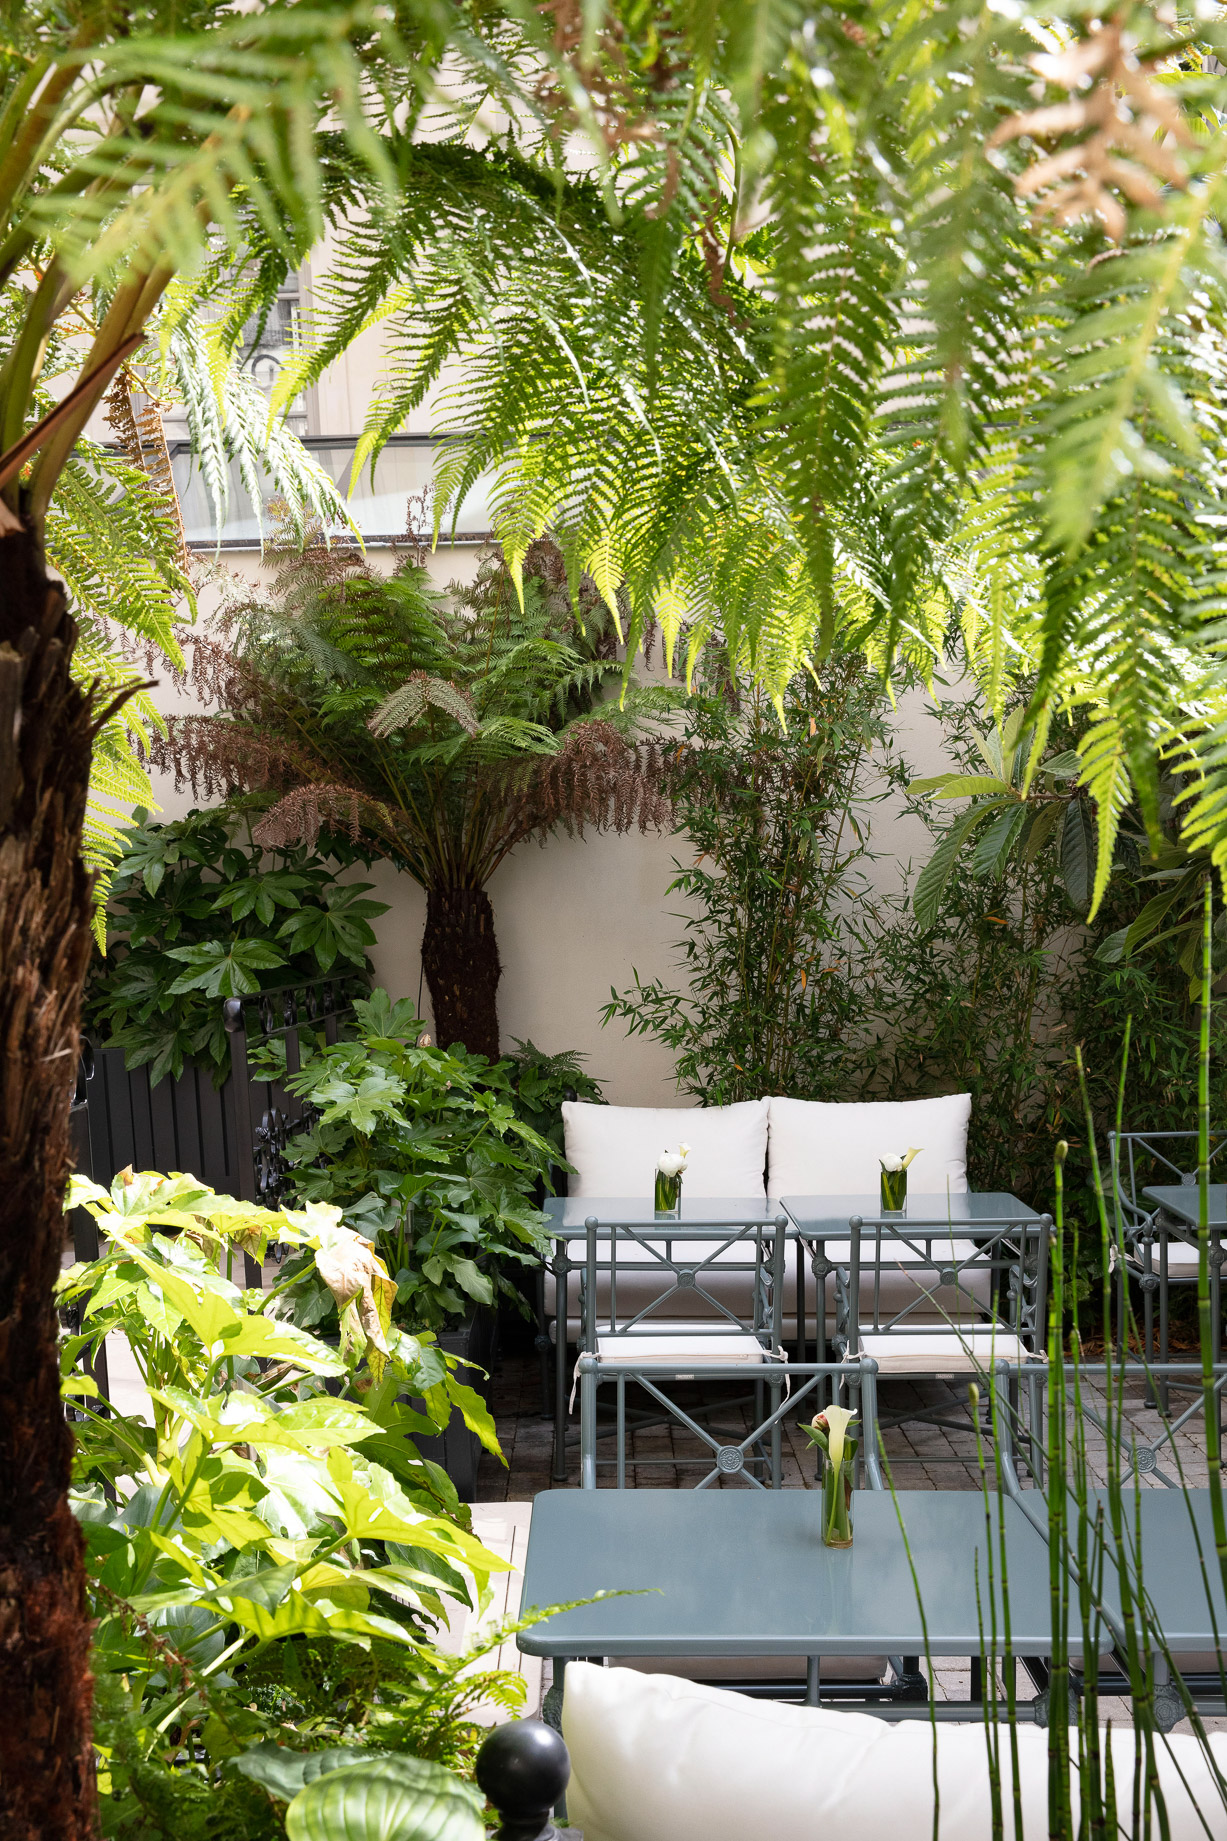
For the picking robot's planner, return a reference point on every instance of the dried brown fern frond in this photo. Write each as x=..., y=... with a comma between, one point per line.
x=1128, y=126
x=302, y=814
x=596, y=779
x=221, y=675
x=218, y=758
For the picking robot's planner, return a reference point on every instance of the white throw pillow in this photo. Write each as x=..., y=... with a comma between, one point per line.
x=615, y=1148
x=818, y=1148
x=656, y=1758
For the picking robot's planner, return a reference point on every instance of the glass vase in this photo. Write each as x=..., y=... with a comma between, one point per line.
x=836, y=1504
x=894, y=1192
x=669, y=1194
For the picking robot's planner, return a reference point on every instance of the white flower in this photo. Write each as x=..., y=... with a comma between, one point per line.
x=683, y=1150
x=835, y=1421
x=672, y=1163
x=891, y=1164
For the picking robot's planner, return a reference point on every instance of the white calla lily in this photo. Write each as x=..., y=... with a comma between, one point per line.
x=837, y=1419
x=672, y=1163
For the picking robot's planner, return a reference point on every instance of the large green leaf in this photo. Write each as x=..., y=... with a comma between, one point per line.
x=1078, y=853
x=284, y=1773
x=932, y=880
x=387, y=1799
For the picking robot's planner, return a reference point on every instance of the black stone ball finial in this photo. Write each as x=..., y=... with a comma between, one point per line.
x=523, y=1768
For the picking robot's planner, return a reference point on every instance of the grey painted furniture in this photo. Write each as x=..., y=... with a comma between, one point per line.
x=814, y=1223
x=1178, y=1571
x=569, y=1217
x=666, y=1302
x=942, y=1290
x=1174, y=1226
x=743, y=1573
x=1154, y=1185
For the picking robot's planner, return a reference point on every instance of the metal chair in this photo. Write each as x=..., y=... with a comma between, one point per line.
x=984, y=1299
x=1138, y=1159
x=733, y=1457
x=687, y=1320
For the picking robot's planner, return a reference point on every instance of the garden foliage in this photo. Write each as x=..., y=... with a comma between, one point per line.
x=440, y=730
x=199, y=913
x=425, y=1153
x=269, y=1558
x=772, y=997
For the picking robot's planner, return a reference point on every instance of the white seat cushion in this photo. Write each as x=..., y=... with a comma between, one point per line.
x=935, y=1352
x=692, y=1350
x=821, y=1148
x=615, y=1148
x=1181, y=1259
x=654, y=1758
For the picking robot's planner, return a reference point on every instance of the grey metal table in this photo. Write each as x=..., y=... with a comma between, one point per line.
x=569, y=1216
x=813, y=1219
x=1189, y=1606
x=821, y=1219
x=1180, y=1200
x=732, y=1573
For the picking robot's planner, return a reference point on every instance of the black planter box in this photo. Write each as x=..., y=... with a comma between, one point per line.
x=456, y=1449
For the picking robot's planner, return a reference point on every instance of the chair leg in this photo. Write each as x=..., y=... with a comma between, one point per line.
x=587, y=1433
x=559, y=1472
x=1163, y=1325
x=541, y=1343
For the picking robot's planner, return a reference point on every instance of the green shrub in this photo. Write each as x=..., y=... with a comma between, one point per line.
x=424, y=1152
x=198, y=913
x=268, y=1561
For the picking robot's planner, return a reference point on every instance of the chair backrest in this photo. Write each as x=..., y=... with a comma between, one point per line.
x=687, y=1266
x=956, y=1272
x=1138, y=1159
x=781, y=1389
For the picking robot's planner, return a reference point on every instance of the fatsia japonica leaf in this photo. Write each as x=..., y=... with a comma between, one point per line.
x=387, y=1799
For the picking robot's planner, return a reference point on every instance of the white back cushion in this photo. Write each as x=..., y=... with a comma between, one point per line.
x=615, y=1148
x=655, y=1758
x=822, y=1149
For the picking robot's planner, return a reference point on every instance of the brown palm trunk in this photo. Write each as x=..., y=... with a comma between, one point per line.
x=46, y=1760
x=461, y=963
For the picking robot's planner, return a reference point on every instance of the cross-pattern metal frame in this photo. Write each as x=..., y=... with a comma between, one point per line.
x=1147, y=1230
x=731, y=1455
x=1206, y=1690
x=1013, y=1252
x=666, y=1250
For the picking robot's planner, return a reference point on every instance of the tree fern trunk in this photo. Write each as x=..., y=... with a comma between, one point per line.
x=461, y=963
x=46, y=1761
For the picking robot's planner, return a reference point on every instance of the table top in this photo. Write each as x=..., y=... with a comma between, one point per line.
x=569, y=1213
x=1171, y=1572
x=816, y=1215
x=1181, y=1201
x=743, y=1572
x=826, y=1214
